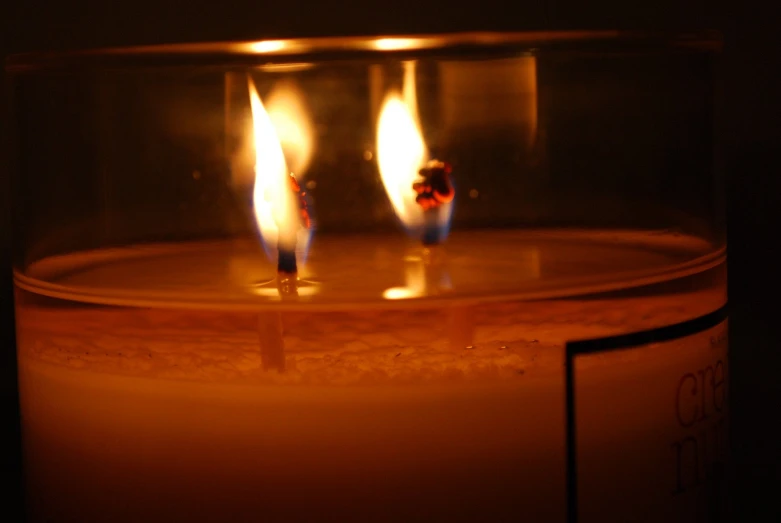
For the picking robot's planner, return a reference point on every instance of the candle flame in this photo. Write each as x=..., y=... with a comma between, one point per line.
x=276, y=205
x=288, y=113
x=400, y=155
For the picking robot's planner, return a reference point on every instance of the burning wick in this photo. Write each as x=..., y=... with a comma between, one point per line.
x=433, y=191
x=287, y=266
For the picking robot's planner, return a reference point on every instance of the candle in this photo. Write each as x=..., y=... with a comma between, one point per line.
x=152, y=402
x=386, y=298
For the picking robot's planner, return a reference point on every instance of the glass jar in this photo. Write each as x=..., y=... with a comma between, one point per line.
x=445, y=277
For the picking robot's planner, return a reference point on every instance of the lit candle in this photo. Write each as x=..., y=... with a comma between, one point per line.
x=207, y=380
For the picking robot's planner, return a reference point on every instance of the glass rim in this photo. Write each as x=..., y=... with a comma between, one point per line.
x=286, y=50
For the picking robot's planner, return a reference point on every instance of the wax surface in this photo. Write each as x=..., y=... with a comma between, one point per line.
x=357, y=271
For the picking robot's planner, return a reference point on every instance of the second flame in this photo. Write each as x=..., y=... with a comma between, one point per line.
x=401, y=153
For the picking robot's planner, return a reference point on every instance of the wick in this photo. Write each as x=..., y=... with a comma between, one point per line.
x=434, y=190
x=286, y=262
x=286, y=259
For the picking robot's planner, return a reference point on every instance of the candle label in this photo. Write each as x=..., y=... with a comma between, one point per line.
x=647, y=424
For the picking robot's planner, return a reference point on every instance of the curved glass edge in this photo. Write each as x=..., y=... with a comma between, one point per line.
x=324, y=48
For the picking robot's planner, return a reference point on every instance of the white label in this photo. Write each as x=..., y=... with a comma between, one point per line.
x=651, y=430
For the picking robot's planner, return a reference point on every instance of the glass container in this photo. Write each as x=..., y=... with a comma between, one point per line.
x=442, y=277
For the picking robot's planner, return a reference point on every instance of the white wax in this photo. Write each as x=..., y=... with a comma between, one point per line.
x=159, y=412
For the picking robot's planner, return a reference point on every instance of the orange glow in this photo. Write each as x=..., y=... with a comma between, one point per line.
x=472, y=90
x=396, y=44
x=267, y=46
x=415, y=281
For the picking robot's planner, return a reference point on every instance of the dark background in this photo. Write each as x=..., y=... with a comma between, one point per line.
x=750, y=124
